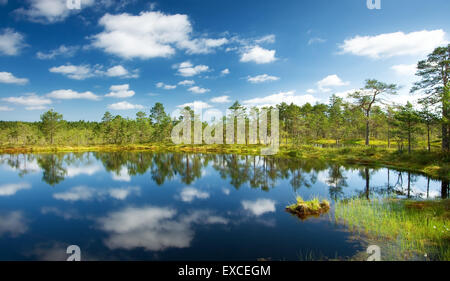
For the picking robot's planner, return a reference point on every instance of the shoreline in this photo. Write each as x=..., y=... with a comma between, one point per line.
x=434, y=164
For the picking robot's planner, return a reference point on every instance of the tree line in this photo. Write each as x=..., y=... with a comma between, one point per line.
x=366, y=115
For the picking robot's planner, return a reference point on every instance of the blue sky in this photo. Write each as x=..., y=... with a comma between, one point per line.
x=123, y=56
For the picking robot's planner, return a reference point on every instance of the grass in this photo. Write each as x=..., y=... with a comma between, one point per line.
x=305, y=209
x=407, y=229
x=435, y=163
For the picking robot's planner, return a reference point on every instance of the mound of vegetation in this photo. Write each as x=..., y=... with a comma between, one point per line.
x=305, y=209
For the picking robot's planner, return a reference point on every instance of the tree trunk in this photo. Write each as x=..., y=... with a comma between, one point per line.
x=444, y=189
x=428, y=137
x=409, y=138
x=366, y=171
x=367, y=130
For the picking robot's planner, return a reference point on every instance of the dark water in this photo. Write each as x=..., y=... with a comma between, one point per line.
x=147, y=206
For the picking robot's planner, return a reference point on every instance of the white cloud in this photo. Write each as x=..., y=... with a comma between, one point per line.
x=120, y=71
x=331, y=81
x=226, y=71
x=13, y=223
x=70, y=95
x=6, y=108
x=186, y=82
x=405, y=69
x=60, y=51
x=50, y=11
x=258, y=55
x=153, y=228
x=31, y=102
x=311, y=91
x=161, y=85
x=187, y=69
x=84, y=193
x=11, y=42
x=189, y=194
x=387, y=45
x=221, y=99
x=202, y=45
x=195, y=104
x=11, y=189
x=123, y=193
x=259, y=207
x=266, y=39
x=120, y=91
x=79, y=72
x=149, y=35
x=79, y=193
x=125, y=106
x=287, y=97
x=73, y=171
x=316, y=40
x=9, y=78
x=122, y=175
x=262, y=78
x=198, y=90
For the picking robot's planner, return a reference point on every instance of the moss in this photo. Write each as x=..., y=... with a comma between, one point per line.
x=305, y=209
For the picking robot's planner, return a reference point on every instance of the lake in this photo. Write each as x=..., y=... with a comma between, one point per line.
x=174, y=206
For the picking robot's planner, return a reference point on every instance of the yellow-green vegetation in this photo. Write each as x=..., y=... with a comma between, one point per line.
x=408, y=229
x=305, y=209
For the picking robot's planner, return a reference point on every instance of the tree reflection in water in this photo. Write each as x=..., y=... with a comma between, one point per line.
x=256, y=171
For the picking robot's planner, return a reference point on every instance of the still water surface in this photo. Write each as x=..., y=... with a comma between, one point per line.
x=173, y=206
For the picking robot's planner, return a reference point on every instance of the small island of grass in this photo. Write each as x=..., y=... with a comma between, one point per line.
x=304, y=209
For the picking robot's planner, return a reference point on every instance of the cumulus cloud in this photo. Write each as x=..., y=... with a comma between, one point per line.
x=120, y=71
x=71, y=95
x=258, y=55
x=153, y=228
x=187, y=69
x=287, y=97
x=13, y=223
x=84, y=193
x=226, y=71
x=149, y=35
x=331, y=81
x=13, y=188
x=259, y=207
x=198, y=90
x=186, y=82
x=65, y=51
x=124, y=105
x=189, y=194
x=11, y=42
x=77, y=72
x=221, y=99
x=262, y=78
x=9, y=78
x=50, y=11
x=81, y=72
x=387, y=45
x=120, y=91
x=161, y=85
x=73, y=171
x=31, y=102
x=405, y=69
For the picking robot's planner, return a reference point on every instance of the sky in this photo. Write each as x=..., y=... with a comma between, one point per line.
x=124, y=56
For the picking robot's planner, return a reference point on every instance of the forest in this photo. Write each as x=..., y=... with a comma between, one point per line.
x=365, y=117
